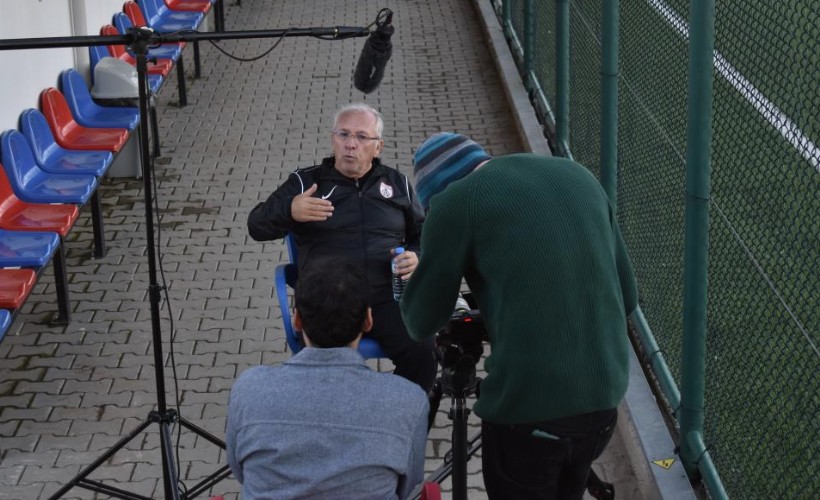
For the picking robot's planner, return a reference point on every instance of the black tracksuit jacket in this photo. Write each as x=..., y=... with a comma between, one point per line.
x=371, y=216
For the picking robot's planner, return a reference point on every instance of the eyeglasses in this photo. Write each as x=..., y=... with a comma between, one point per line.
x=360, y=138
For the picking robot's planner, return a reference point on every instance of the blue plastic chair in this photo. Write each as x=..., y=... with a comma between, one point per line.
x=27, y=248
x=52, y=157
x=32, y=184
x=284, y=277
x=5, y=322
x=35, y=185
x=35, y=249
x=90, y=114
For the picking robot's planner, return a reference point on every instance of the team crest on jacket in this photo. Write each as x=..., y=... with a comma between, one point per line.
x=386, y=190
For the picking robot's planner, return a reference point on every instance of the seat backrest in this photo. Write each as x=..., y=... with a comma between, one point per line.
x=122, y=22
x=290, y=243
x=134, y=13
x=34, y=127
x=76, y=93
x=96, y=54
x=18, y=158
x=57, y=113
x=152, y=11
x=115, y=50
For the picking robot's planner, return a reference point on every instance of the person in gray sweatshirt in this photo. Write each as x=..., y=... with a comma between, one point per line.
x=323, y=424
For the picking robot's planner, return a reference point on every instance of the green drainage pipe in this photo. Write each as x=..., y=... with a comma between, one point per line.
x=609, y=100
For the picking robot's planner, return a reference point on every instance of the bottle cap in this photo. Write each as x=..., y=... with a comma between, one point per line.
x=399, y=250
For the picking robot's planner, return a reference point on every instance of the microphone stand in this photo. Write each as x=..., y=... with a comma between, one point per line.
x=139, y=40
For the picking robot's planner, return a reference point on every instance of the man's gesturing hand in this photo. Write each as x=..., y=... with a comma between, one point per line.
x=305, y=208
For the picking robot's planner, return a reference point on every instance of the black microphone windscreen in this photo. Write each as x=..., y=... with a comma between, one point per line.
x=373, y=59
x=370, y=68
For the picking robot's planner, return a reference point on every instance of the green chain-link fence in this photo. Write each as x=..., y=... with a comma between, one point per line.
x=762, y=378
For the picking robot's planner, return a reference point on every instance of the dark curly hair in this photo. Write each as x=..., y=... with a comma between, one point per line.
x=331, y=298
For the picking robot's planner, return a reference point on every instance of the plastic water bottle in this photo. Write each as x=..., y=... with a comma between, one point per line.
x=398, y=283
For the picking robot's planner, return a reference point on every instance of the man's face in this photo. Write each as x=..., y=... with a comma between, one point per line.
x=354, y=157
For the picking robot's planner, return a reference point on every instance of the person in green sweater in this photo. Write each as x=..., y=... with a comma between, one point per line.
x=537, y=242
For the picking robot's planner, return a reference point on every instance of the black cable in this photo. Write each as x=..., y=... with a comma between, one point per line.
x=255, y=58
x=379, y=18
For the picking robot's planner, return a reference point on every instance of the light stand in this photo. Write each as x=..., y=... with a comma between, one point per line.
x=139, y=40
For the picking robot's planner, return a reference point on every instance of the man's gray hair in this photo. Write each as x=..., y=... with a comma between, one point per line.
x=361, y=108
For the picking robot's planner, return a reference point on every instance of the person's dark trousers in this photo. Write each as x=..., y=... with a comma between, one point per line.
x=415, y=361
x=547, y=460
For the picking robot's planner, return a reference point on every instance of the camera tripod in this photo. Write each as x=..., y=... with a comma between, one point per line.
x=459, y=347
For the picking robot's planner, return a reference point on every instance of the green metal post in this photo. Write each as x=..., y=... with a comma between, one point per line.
x=609, y=99
x=506, y=12
x=696, y=244
x=529, y=43
x=562, y=76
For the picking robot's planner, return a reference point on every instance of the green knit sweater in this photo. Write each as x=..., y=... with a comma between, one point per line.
x=538, y=244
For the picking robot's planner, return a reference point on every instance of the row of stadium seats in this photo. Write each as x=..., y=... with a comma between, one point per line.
x=52, y=165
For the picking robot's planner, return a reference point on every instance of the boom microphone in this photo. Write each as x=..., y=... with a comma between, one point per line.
x=375, y=54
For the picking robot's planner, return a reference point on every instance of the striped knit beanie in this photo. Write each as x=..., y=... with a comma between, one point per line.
x=444, y=158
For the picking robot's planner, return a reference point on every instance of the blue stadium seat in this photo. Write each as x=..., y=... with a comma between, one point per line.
x=52, y=157
x=284, y=277
x=5, y=322
x=90, y=114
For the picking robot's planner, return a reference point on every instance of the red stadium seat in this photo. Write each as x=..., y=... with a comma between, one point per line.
x=15, y=285
x=18, y=215
x=203, y=6
x=70, y=134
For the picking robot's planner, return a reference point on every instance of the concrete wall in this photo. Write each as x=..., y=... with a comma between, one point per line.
x=25, y=73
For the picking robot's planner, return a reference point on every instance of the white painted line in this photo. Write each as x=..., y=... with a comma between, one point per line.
x=782, y=123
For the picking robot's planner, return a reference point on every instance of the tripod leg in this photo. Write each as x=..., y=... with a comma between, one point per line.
x=459, y=413
x=79, y=478
x=170, y=478
x=200, y=432
x=434, y=398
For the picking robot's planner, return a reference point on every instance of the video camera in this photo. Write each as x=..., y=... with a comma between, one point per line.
x=459, y=346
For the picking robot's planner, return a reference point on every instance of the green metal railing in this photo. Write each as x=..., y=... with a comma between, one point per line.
x=700, y=119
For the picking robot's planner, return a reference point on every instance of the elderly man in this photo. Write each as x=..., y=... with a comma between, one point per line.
x=538, y=243
x=354, y=206
x=324, y=425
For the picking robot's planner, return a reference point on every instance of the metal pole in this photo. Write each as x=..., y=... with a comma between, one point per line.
x=529, y=43
x=696, y=243
x=506, y=11
x=562, y=76
x=459, y=413
x=169, y=478
x=609, y=100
